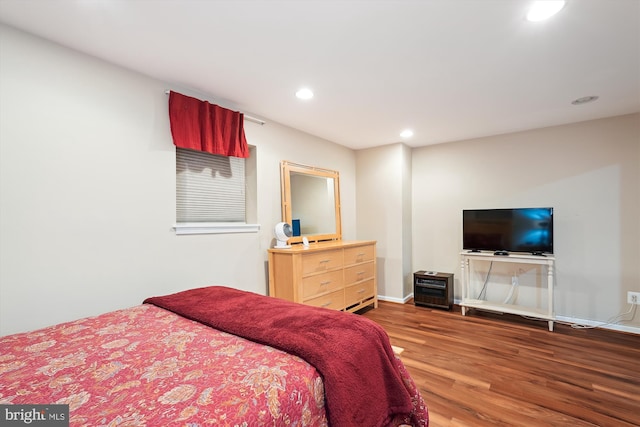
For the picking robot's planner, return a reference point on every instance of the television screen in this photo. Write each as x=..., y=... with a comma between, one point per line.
x=510, y=230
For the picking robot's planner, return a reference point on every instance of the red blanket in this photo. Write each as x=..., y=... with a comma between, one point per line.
x=363, y=384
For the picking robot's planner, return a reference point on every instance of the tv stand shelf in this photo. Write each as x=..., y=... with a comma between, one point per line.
x=467, y=266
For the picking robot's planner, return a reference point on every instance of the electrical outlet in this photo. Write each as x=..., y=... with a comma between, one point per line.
x=633, y=297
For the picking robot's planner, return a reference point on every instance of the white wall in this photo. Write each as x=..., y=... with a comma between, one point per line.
x=407, y=221
x=589, y=172
x=384, y=214
x=87, y=196
x=87, y=190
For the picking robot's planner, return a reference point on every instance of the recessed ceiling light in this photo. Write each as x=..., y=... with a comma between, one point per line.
x=407, y=133
x=544, y=9
x=304, y=93
x=584, y=100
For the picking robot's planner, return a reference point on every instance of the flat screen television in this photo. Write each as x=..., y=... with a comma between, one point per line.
x=508, y=230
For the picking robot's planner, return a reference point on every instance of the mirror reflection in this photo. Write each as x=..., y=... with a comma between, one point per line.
x=311, y=202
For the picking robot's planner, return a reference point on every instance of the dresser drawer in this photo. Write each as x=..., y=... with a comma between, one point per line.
x=321, y=283
x=318, y=274
x=358, y=273
x=334, y=300
x=356, y=293
x=321, y=261
x=359, y=254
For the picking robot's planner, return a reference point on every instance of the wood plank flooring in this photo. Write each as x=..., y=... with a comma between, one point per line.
x=487, y=369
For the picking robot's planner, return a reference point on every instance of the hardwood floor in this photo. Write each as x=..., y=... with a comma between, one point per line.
x=489, y=369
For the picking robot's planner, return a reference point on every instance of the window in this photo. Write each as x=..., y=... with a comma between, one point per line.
x=212, y=193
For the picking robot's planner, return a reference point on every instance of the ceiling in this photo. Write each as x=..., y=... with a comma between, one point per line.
x=448, y=69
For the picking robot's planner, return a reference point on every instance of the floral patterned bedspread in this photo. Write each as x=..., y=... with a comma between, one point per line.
x=145, y=366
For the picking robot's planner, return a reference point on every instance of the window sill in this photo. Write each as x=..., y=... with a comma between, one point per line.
x=214, y=228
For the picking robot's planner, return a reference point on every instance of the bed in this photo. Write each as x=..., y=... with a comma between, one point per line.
x=214, y=356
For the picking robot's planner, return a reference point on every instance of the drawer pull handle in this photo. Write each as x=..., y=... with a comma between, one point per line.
x=324, y=261
x=361, y=254
x=326, y=304
x=361, y=291
x=360, y=273
x=325, y=283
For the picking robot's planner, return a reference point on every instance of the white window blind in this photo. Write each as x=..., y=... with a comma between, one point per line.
x=209, y=188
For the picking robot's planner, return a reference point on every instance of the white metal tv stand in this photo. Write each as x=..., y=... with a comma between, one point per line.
x=467, y=266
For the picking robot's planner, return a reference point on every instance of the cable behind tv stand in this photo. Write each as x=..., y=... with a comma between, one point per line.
x=468, y=259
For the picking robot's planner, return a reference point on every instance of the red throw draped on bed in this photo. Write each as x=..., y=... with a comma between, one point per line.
x=363, y=384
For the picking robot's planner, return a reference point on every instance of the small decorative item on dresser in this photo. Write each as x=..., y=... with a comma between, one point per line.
x=283, y=232
x=433, y=289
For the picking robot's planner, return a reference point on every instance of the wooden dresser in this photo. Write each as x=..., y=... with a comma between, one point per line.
x=337, y=274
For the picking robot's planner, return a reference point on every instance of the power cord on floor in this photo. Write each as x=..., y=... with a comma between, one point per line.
x=611, y=321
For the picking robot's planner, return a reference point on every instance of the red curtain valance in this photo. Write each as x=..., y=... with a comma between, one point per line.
x=201, y=126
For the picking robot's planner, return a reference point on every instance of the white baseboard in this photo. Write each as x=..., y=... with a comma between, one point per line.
x=613, y=327
x=559, y=319
x=396, y=300
x=584, y=322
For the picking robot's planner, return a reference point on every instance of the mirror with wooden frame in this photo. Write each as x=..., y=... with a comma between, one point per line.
x=310, y=202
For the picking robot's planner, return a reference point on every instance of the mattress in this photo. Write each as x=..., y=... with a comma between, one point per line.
x=146, y=366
